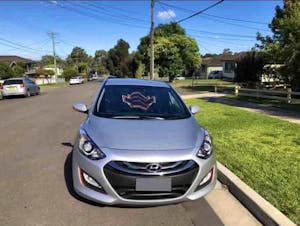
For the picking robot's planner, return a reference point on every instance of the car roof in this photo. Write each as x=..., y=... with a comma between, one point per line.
x=135, y=82
x=15, y=78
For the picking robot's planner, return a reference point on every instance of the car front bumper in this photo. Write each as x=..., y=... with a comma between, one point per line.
x=109, y=194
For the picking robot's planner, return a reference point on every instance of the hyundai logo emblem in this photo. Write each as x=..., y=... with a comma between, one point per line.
x=153, y=167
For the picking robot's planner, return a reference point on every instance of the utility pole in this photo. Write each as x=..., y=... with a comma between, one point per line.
x=52, y=35
x=152, y=42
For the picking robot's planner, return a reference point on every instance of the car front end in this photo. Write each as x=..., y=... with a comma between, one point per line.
x=141, y=160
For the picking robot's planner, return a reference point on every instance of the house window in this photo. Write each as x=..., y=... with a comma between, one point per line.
x=203, y=68
x=229, y=67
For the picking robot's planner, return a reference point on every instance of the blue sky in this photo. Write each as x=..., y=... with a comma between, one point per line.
x=96, y=25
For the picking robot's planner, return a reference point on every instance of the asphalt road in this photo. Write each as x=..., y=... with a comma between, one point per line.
x=36, y=134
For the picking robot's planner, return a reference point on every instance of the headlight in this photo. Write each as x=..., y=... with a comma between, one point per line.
x=205, y=150
x=88, y=148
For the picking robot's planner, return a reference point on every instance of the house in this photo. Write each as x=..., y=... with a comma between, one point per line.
x=210, y=64
x=229, y=64
x=13, y=60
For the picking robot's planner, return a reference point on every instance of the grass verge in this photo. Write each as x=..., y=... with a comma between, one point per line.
x=54, y=85
x=263, y=151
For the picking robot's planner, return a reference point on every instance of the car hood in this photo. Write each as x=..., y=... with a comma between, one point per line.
x=144, y=134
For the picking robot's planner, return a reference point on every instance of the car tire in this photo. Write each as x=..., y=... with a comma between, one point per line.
x=38, y=92
x=28, y=94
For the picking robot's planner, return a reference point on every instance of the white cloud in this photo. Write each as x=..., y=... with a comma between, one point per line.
x=166, y=15
x=53, y=2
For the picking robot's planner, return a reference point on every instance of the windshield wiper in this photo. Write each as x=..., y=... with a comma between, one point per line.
x=142, y=117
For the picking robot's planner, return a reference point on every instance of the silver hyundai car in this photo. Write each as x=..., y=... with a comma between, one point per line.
x=140, y=145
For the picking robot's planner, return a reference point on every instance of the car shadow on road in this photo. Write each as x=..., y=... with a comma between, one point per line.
x=69, y=178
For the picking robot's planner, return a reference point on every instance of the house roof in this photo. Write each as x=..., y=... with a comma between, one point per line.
x=212, y=61
x=10, y=59
x=216, y=61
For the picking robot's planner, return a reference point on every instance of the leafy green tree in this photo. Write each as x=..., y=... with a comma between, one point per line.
x=49, y=59
x=284, y=45
x=118, y=61
x=18, y=69
x=98, y=62
x=139, y=71
x=41, y=71
x=69, y=71
x=227, y=51
x=5, y=71
x=249, y=67
x=175, y=53
x=80, y=59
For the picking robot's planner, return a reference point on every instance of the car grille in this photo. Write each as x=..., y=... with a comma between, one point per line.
x=122, y=177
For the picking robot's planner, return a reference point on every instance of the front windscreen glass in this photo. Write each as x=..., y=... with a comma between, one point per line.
x=121, y=101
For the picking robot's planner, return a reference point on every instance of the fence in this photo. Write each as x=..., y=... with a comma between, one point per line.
x=44, y=81
x=286, y=95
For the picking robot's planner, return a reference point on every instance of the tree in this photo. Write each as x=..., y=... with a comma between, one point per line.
x=249, y=67
x=41, y=71
x=284, y=45
x=118, y=61
x=79, y=58
x=49, y=59
x=98, y=62
x=227, y=51
x=175, y=53
x=5, y=71
x=18, y=69
x=69, y=71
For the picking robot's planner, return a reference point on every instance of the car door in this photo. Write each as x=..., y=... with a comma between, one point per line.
x=34, y=86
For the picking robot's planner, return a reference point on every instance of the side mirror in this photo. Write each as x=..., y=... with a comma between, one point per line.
x=80, y=107
x=194, y=109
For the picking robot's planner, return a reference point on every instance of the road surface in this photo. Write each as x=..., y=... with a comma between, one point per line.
x=35, y=150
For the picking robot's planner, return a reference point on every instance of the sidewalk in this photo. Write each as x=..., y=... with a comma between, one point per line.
x=286, y=115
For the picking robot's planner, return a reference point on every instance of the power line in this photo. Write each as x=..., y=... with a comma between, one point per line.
x=210, y=15
x=221, y=34
x=19, y=46
x=120, y=11
x=94, y=16
x=171, y=17
x=201, y=11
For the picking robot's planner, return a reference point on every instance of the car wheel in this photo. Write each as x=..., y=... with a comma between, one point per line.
x=27, y=93
x=38, y=92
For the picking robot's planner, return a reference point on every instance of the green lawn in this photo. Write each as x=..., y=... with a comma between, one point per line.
x=263, y=151
x=269, y=102
x=55, y=85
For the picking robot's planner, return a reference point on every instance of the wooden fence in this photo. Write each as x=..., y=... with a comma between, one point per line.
x=286, y=95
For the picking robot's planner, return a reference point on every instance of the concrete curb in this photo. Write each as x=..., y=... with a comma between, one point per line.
x=266, y=213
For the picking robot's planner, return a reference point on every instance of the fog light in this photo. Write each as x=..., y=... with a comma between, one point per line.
x=88, y=179
x=207, y=179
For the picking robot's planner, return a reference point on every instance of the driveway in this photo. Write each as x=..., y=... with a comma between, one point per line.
x=35, y=151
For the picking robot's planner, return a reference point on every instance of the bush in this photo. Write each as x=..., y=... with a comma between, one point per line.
x=69, y=72
x=249, y=67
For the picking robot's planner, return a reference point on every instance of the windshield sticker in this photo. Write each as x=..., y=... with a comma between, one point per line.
x=138, y=100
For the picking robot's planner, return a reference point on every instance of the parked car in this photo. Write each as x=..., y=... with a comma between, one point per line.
x=179, y=78
x=76, y=80
x=141, y=145
x=215, y=75
x=93, y=77
x=19, y=87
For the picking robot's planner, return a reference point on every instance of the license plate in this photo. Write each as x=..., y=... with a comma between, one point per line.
x=153, y=184
x=12, y=88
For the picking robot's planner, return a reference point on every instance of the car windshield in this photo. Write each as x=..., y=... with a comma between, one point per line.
x=13, y=82
x=142, y=102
